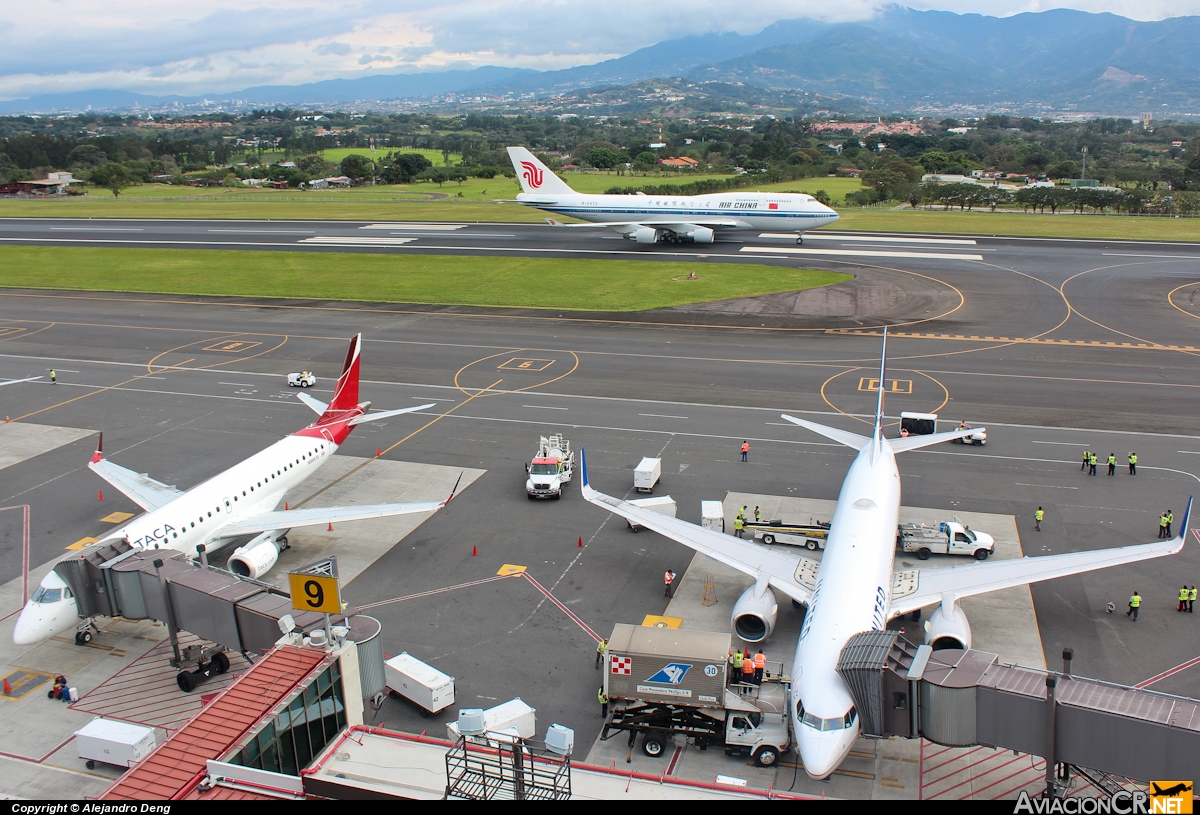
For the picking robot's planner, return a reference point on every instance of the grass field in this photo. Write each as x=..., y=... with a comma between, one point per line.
x=576, y=285
x=336, y=154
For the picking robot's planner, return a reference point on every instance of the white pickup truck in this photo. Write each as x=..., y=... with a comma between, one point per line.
x=551, y=469
x=945, y=538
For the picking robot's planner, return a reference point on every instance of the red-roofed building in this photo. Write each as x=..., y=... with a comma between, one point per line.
x=268, y=720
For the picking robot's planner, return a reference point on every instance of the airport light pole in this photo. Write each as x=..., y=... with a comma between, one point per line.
x=1083, y=170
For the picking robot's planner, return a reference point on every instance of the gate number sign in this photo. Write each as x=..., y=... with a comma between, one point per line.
x=312, y=592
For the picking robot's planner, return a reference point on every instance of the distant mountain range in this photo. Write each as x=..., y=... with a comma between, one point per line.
x=901, y=60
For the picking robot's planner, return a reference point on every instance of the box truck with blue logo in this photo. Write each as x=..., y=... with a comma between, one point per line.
x=668, y=682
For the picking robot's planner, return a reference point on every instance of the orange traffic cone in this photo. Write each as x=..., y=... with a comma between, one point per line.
x=378, y=452
x=99, y=495
x=474, y=551
x=330, y=527
x=6, y=419
x=285, y=506
x=581, y=541
x=7, y=687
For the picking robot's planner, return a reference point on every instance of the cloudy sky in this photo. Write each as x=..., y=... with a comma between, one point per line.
x=216, y=46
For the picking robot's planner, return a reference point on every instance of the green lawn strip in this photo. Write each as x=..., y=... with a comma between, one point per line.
x=1112, y=227
x=577, y=285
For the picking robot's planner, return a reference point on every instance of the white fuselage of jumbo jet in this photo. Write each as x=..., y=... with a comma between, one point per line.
x=783, y=212
x=851, y=596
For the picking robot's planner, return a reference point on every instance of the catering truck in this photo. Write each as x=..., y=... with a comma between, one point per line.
x=551, y=469
x=945, y=538
x=668, y=682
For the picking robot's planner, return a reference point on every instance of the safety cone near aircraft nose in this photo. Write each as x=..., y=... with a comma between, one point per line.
x=580, y=545
x=378, y=452
x=7, y=687
x=330, y=527
x=474, y=551
x=285, y=506
x=99, y=495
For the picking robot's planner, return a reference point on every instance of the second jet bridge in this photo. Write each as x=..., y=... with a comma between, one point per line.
x=960, y=698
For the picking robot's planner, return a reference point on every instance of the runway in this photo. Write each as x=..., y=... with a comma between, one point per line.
x=1055, y=345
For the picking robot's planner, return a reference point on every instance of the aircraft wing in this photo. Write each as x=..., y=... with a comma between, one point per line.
x=137, y=487
x=782, y=568
x=931, y=586
x=19, y=381
x=292, y=518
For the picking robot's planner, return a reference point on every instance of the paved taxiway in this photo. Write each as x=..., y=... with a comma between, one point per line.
x=184, y=388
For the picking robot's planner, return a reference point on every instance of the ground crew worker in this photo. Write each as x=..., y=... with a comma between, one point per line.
x=603, y=698
x=53, y=377
x=760, y=667
x=668, y=579
x=1038, y=517
x=1135, y=602
x=1170, y=520
x=1112, y=463
x=1092, y=463
x=1162, y=525
x=1087, y=456
x=1132, y=463
x=738, y=659
x=738, y=526
x=600, y=649
x=742, y=513
x=1191, y=597
x=757, y=515
x=1183, y=598
x=745, y=450
x=747, y=668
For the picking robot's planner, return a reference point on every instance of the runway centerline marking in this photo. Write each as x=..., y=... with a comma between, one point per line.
x=265, y=231
x=1044, y=486
x=833, y=236
x=426, y=227
x=1064, y=443
x=661, y=416
x=863, y=253
x=544, y=407
x=97, y=229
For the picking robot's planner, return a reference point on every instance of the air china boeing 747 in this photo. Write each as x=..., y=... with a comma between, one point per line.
x=669, y=218
x=238, y=502
x=854, y=587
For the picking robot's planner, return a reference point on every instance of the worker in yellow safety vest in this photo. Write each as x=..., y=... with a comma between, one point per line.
x=739, y=526
x=1183, y=598
x=737, y=664
x=1135, y=602
x=603, y=699
x=600, y=651
x=1132, y=463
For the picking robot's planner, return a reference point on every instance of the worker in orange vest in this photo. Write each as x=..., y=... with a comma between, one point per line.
x=760, y=667
x=668, y=579
x=747, y=668
x=745, y=450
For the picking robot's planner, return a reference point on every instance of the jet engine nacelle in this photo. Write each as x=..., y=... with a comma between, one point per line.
x=645, y=234
x=754, y=613
x=948, y=631
x=701, y=234
x=256, y=558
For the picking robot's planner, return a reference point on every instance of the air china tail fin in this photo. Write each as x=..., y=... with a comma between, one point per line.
x=536, y=177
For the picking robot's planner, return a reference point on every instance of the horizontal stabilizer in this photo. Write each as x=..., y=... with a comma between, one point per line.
x=386, y=414
x=917, y=442
x=840, y=436
x=315, y=404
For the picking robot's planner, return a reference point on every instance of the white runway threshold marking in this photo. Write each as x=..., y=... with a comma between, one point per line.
x=831, y=236
x=863, y=253
x=356, y=240
x=424, y=227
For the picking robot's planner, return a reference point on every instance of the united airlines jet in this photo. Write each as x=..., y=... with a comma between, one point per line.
x=667, y=218
x=855, y=586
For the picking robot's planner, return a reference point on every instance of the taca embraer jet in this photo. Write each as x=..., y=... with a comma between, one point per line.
x=670, y=218
x=854, y=587
x=238, y=502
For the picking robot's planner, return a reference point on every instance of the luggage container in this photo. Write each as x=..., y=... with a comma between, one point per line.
x=662, y=504
x=647, y=474
x=514, y=718
x=712, y=515
x=422, y=684
x=111, y=742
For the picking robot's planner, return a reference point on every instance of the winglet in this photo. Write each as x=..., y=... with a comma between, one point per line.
x=877, y=434
x=583, y=466
x=453, y=491
x=1183, y=525
x=99, y=454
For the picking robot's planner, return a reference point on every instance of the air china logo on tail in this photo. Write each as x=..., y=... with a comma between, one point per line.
x=532, y=174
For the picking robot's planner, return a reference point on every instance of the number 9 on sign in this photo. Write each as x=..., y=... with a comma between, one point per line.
x=315, y=593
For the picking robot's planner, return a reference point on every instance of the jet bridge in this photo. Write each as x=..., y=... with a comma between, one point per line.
x=114, y=579
x=960, y=698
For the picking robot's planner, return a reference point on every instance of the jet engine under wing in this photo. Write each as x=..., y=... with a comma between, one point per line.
x=954, y=582
x=781, y=568
x=137, y=487
x=292, y=518
x=674, y=226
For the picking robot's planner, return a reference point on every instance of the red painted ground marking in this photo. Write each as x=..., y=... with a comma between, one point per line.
x=939, y=752
x=973, y=777
x=1038, y=774
x=948, y=761
x=562, y=608
x=1183, y=666
x=435, y=591
x=674, y=761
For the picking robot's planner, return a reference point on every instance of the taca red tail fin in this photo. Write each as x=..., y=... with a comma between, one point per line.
x=345, y=393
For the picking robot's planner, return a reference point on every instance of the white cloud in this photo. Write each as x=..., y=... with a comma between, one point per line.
x=224, y=45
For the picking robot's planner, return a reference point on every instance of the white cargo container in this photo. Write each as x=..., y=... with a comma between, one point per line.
x=712, y=515
x=647, y=474
x=111, y=742
x=662, y=504
x=512, y=718
x=419, y=683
